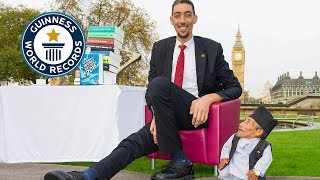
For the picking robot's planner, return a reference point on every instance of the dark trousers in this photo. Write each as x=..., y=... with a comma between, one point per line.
x=171, y=106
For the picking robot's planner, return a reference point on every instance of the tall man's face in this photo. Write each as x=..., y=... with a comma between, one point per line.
x=183, y=19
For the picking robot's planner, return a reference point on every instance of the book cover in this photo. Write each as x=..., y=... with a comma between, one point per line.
x=100, y=40
x=105, y=42
x=76, y=77
x=109, y=77
x=101, y=48
x=110, y=68
x=114, y=29
x=104, y=53
x=113, y=59
x=96, y=47
x=104, y=35
x=91, y=69
x=109, y=58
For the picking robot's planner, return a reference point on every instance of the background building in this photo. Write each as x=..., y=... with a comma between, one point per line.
x=286, y=89
x=266, y=93
x=238, y=62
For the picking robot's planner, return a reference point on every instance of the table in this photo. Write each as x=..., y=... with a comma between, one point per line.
x=66, y=123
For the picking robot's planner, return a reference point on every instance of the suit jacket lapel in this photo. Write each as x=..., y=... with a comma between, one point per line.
x=201, y=58
x=169, y=56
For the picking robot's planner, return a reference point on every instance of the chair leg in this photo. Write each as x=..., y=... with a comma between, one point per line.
x=215, y=170
x=153, y=163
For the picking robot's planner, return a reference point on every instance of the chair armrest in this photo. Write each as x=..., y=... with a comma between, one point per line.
x=147, y=115
x=223, y=121
x=228, y=111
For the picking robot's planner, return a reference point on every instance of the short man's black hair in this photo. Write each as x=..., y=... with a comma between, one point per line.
x=183, y=2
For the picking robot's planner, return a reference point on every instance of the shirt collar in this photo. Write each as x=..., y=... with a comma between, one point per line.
x=245, y=141
x=189, y=43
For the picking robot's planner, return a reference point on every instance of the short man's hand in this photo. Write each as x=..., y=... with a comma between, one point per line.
x=153, y=130
x=223, y=163
x=252, y=175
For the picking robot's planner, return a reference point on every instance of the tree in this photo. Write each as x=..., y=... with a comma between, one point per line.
x=139, y=30
x=12, y=66
x=139, y=36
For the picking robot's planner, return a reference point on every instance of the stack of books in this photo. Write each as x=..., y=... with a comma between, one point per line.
x=106, y=41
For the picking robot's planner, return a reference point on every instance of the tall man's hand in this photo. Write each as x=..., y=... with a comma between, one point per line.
x=153, y=130
x=200, y=108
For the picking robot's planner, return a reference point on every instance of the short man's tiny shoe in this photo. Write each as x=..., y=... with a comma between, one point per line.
x=61, y=175
x=174, y=170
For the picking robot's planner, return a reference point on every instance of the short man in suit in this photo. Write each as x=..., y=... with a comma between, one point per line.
x=246, y=154
x=187, y=74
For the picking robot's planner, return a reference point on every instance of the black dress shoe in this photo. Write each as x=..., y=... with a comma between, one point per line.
x=174, y=170
x=61, y=175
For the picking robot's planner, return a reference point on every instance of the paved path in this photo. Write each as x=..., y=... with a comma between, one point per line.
x=30, y=171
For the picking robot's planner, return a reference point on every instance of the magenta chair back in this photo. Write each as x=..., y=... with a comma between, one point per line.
x=204, y=145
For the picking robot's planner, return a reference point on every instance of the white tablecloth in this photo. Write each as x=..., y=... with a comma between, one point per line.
x=66, y=123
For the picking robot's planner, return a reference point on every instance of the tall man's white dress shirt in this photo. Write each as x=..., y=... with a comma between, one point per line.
x=189, y=74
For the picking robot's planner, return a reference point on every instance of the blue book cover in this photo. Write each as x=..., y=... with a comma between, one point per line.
x=91, y=69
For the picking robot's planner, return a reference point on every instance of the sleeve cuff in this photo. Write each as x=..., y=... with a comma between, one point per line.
x=224, y=156
x=257, y=172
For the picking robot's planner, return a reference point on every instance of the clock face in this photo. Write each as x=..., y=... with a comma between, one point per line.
x=238, y=56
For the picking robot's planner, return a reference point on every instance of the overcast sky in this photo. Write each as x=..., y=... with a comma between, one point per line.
x=279, y=36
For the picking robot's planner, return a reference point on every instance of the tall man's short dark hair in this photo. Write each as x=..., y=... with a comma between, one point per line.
x=183, y=2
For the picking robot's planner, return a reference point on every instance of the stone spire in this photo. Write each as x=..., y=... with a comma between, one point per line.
x=300, y=77
x=238, y=33
x=316, y=75
x=238, y=43
x=287, y=76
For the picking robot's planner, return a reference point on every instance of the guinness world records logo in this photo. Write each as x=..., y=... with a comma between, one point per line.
x=53, y=44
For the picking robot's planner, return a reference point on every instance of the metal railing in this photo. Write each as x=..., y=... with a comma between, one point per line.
x=305, y=119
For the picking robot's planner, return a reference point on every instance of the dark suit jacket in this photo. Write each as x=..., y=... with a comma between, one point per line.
x=213, y=73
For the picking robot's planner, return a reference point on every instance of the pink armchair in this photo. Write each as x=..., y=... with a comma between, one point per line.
x=204, y=145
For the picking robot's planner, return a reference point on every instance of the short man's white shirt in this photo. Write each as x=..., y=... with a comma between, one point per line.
x=189, y=74
x=238, y=166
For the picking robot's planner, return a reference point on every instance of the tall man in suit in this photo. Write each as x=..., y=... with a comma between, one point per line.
x=187, y=74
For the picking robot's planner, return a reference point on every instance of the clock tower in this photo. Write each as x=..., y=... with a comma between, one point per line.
x=238, y=61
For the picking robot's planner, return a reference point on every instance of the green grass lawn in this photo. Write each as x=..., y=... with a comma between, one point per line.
x=295, y=153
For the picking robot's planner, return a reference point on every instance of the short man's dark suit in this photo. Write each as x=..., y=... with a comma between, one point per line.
x=170, y=103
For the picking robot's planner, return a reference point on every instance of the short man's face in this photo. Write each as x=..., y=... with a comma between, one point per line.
x=249, y=129
x=183, y=19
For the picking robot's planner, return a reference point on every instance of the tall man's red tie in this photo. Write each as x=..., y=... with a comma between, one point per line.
x=178, y=78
